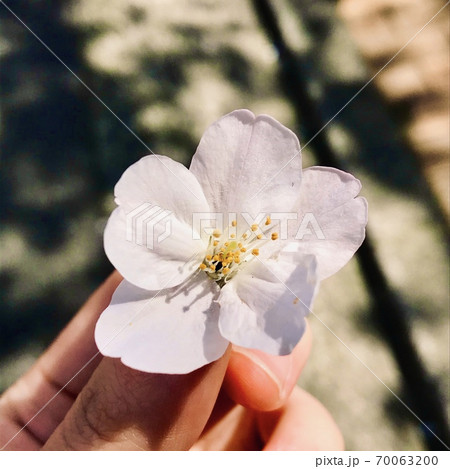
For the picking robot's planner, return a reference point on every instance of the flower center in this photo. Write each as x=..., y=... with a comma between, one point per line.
x=226, y=255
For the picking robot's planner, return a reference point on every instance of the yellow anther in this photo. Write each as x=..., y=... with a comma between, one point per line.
x=237, y=260
x=245, y=236
x=234, y=223
x=208, y=257
x=243, y=249
x=228, y=260
x=274, y=236
x=226, y=244
x=202, y=266
x=268, y=221
x=217, y=234
x=255, y=252
x=216, y=243
x=259, y=236
x=216, y=258
x=254, y=227
x=239, y=245
x=226, y=270
x=232, y=236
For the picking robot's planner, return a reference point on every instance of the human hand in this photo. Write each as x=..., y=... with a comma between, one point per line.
x=246, y=400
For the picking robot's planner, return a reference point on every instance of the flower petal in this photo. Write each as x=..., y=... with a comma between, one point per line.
x=238, y=163
x=149, y=238
x=164, y=182
x=172, y=331
x=332, y=220
x=265, y=305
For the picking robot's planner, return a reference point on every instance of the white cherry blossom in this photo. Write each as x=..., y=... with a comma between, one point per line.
x=252, y=280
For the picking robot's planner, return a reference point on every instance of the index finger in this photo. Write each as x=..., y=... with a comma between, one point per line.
x=41, y=398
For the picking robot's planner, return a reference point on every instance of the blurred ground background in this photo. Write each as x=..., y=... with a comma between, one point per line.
x=170, y=68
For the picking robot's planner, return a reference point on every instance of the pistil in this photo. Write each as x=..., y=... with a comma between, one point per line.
x=226, y=255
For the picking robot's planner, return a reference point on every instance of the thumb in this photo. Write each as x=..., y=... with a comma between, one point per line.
x=124, y=409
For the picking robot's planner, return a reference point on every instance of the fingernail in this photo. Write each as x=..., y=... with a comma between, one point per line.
x=278, y=369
